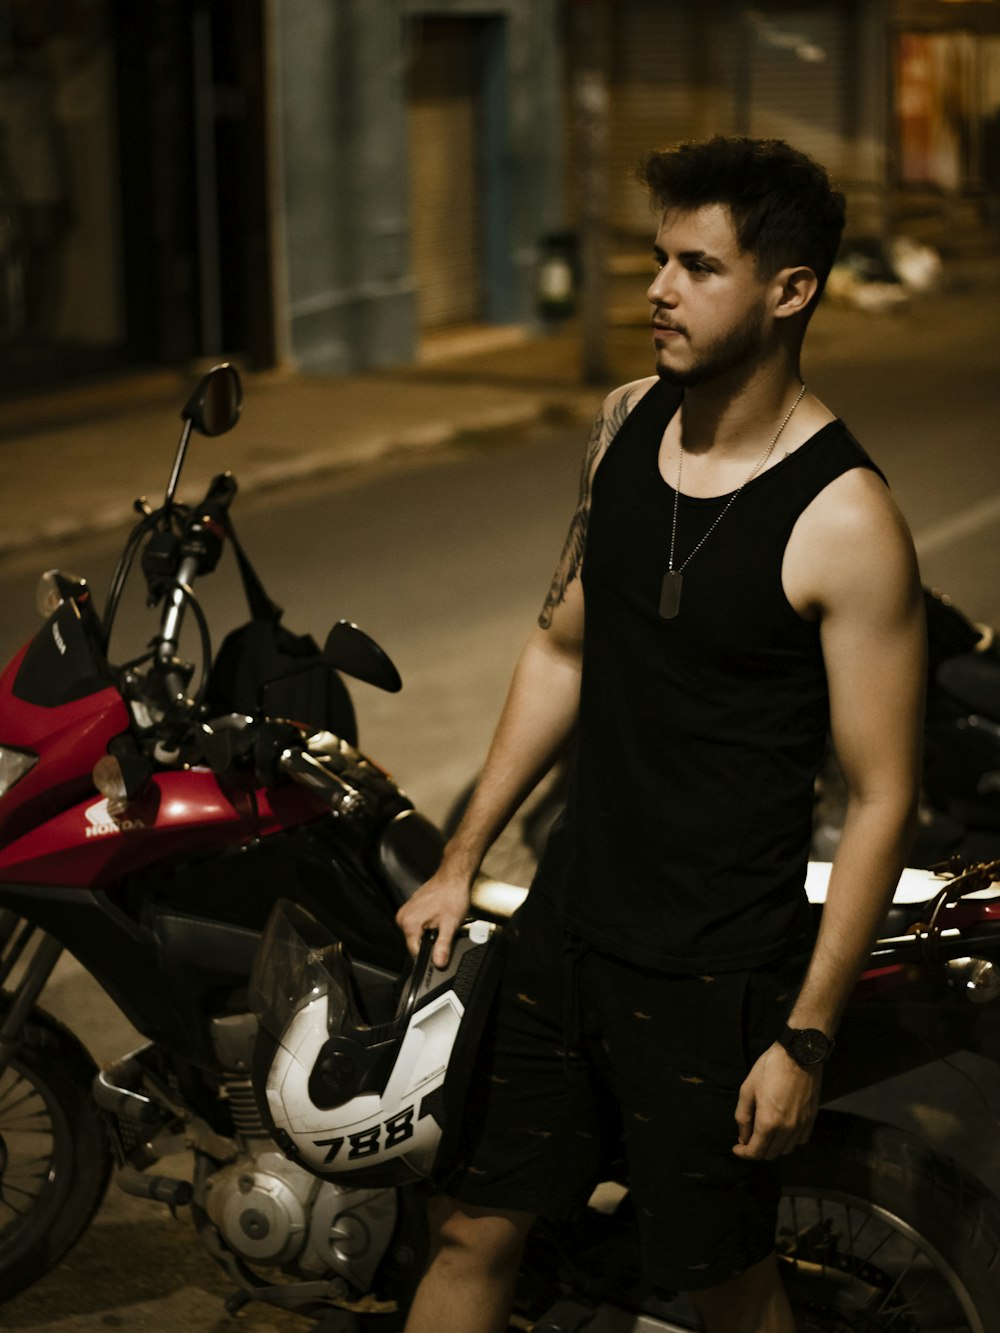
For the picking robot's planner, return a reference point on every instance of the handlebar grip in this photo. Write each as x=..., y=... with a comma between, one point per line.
x=343, y=798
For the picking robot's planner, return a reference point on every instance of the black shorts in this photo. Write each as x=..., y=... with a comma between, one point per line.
x=583, y=1046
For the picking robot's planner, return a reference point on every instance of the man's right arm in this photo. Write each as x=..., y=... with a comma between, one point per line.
x=537, y=719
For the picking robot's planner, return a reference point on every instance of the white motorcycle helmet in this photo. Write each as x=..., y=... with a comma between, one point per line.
x=357, y=1102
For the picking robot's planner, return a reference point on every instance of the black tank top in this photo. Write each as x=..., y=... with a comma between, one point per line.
x=685, y=840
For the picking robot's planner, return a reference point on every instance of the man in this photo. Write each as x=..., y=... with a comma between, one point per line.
x=737, y=580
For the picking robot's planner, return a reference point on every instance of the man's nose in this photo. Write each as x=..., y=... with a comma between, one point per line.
x=663, y=289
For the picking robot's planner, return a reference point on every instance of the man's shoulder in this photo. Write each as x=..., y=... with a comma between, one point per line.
x=622, y=400
x=844, y=439
x=851, y=540
x=854, y=503
x=618, y=406
x=635, y=388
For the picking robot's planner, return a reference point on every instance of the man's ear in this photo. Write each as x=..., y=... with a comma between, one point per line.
x=794, y=289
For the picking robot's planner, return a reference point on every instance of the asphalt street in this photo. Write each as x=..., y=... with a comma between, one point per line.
x=444, y=557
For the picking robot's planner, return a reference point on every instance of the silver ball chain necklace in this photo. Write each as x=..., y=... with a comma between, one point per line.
x=673, y=579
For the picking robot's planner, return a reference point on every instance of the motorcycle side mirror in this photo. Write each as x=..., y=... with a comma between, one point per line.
x=212, y=409
x=215, y=405
x=352, y=651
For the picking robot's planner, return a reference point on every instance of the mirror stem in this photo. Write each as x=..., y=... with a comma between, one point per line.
x=175, y=476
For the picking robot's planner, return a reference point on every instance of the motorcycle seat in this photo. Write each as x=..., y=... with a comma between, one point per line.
x=912, y=902
x=914, y=887
x=495, y=899
x=408, y=852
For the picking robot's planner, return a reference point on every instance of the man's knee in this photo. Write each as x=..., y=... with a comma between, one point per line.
x=489, y=1240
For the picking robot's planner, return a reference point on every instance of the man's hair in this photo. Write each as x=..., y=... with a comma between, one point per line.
x=784, y=209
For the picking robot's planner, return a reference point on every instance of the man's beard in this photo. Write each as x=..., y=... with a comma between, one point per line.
x=739, y=347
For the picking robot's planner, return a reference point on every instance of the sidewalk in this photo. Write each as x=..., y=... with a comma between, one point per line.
x=72, y=461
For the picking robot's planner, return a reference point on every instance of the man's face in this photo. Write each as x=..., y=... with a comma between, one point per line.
x=708, y=300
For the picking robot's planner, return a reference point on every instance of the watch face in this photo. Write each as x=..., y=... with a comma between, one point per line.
x=810, y=1046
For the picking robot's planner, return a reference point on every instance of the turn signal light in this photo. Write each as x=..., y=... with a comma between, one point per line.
x=121, y=780
x=13, y=766
x=53, y=589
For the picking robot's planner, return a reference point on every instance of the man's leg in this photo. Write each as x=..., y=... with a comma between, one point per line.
x=530, y=1140
x=752, y=1302
x=679, y=1047
x=469, y=1283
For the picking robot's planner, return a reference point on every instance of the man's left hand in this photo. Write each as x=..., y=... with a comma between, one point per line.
x=777, y=1106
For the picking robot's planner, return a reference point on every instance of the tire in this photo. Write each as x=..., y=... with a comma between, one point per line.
x=55, y=1158
x=877, y=1232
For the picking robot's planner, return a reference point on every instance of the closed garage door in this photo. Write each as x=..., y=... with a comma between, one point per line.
x=799, y=84
x=683, y=70
x=445, y=208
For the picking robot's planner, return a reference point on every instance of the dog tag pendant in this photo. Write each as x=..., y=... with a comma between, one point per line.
x=670, y=594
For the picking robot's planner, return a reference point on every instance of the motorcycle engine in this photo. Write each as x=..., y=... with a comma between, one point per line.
x=270, y=1211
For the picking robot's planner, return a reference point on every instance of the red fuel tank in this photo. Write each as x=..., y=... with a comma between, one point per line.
x=179, y=813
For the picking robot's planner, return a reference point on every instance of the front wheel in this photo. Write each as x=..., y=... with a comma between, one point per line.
x=54, y=1153
x=877, y=1232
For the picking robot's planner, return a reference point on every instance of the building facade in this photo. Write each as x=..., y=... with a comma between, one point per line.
x=417, y=163
x=328, y=183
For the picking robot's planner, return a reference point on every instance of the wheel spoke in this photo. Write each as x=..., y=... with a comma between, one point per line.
x=908, y=1305
x=42, y=1160
x=881, y=1274
x=15, y=1211
x=9, y=1186
x=900, y=1278
x=25, y=1185
x=6, y=1105
x=54, y=1154
x=28, y=1138
x=860, y=1232
x=872, y=1253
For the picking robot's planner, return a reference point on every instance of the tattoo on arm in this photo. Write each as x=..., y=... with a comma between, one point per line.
x=605, y=428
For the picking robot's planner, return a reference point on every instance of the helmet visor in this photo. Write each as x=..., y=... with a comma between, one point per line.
x=298, y=961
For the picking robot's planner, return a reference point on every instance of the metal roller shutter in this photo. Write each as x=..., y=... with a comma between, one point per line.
x=682, y=70
x=445, y=219
x=798, y=79
x=654, y=96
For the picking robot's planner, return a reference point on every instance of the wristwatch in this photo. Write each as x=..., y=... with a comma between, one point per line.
x=808, y=1047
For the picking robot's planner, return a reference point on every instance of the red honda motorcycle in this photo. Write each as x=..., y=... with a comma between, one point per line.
x=153, y=812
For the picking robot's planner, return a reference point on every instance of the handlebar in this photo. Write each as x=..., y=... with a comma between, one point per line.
x=170, y=624
x=356, y=792
x=199, y=547
x=344, y=799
